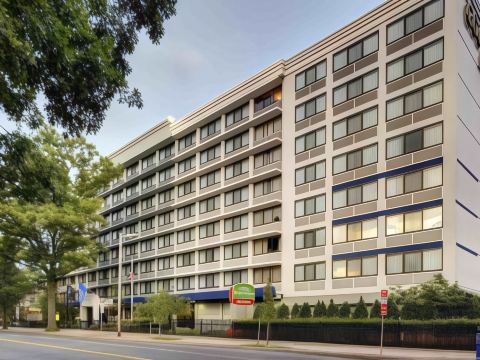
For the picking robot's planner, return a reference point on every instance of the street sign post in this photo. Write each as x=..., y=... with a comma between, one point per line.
x=242, y=294
x=383, y=313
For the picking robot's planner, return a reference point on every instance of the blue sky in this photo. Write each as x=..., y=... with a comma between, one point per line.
x=209, y=47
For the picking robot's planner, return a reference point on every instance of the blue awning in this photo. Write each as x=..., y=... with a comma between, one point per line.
x=221, y=295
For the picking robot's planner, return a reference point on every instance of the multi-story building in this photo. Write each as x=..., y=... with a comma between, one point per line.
x=351, y=167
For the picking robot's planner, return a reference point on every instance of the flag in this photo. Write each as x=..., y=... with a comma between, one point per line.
x=131, y=277
x=82, y=293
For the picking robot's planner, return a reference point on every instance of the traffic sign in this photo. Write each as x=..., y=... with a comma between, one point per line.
x=242, y=294
x=384, y=293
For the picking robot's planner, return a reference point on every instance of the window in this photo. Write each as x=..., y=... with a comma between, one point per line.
x=148, y=182
x=147, y=266
x=310, y=108
x=355, y=123
x=415, y=261
x=165, y=285
x=310, y=173
x=355, y=159
x=186, y=259
x=117, y=197
x=236, y=142
x=310, y=206
x=131, y=229
x=186, y=141
x=311, y=75
x=132, y=190
x=116, y=234
x=165, y=218
x=165, y=263
x=236, y=115
x=310, y=272
x=166, y=196
x=186, y=212
x=210, y=129
x=210, y=229
x=103, y=274
x=236, y=223
x=148, y=161
x=131, y=250
x=117, y=215
x=425, y=219
x=268, y=128
x=268, y=98
x=310, y=140
x=210, y=204
x=103, y=239
x=102, y=256
x=355, y=87
x=146, y=287
x=131, y=209
x=268, y=186
x=207, y=281
x=355, y=195
x=132, y=169
x=414, y=101
x=209, y=255
x=148, y=224
x=210, y=154
x=235, y=251
x=210, y=179
x=92, y=276
x=355, y=52
x=354, y=231
x=266, y=246
x=267, y=216
x=235, y=277
x=268, y=157
x=166, y=174
x=165, y=240
x=186, y=283
x=236, y=169
x=415, y=61
x=186, y=188
x=414, y=141
x=148, y=203
x=267, y=274
x=167, y=151
x=309, y=239
x=414, y=181
x=362, y=266
x=187, y=164
x=236, y=196
x=187, y=235
x=415, y=21
x=147, y=245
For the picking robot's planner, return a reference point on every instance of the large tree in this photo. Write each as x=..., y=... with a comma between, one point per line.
x=49, y=203
x=71, y=56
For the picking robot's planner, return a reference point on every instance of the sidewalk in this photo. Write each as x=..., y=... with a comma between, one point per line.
x=348, y=351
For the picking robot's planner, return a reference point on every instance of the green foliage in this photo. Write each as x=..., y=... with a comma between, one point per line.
x=187, y=331
x=256, y=312
x=283, y=312
x=344, y=311
x=361, y=311
x=392, y=309
x=73, y=55
x=295, y=311
x=320, y=310
x=305, y=311
x=160, y=307
x=266, y=310
x=375, y=310
x=332, y=309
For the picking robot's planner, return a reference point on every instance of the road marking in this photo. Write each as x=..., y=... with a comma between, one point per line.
x=74, y=349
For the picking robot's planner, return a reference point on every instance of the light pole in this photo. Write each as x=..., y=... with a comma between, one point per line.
x=119, y=275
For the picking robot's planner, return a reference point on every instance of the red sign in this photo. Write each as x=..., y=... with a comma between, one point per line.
x=242, y=294
x=383, y=309
x=384, y=293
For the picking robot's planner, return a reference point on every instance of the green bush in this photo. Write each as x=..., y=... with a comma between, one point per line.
x=332, y=309
x=94, y=327
x=186, y=331
x=392, y=309
x=320, y=310
x=295, y=311
x=344, y=311
x=305, y=311
x=256, y=312
x=283, y=312
x=375, y=310
x=361, y=311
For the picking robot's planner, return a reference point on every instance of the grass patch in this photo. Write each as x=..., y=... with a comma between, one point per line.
x=187, y=331
x=166, y=338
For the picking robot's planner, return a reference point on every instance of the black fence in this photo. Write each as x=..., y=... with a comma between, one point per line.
x=439, y=336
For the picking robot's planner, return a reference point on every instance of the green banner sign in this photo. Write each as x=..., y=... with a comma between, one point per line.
x=242, y=294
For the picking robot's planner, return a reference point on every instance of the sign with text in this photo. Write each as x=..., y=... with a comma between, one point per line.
x=471, y=14
x=383, y=302
x=242, y=294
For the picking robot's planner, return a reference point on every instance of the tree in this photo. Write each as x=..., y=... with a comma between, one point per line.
x=320, y=310
x=267, y=309
x=295, y=311
x=283, y=312
x=344, y=311
x=305, y=311
x=160, y=307
x=375, y=310
x=332, y=309
x=361, y=311
x=73, y=55
x=392, y=309
x=49, y=203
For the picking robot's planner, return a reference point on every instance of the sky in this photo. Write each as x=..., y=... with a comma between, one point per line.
x=209, y=47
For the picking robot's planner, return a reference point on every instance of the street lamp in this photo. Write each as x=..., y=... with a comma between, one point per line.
x=119, y=275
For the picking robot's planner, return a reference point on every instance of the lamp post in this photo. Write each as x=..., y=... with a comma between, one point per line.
x=119, y=290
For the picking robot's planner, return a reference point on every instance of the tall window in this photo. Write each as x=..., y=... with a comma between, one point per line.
x=362, y=266
x=415, y=140
x=310, y=238
x=355, y=52
x=148, y=161
x=132, y=169
x=236, y=142
x=268, y=128
x=310, y=140
x=148, y=182
x=236, y=115
x=210, y=179
x=268, y=157
x=210, y=129
x=209, y=255
x=210, y=154
x=166, y=174
x=360, y=230
x=210, y=229
x=186, y=212
x=235, y=277
x=186, y=141
x=236, y=251
x=266, y=246
x=186, y=235
x=165, y=218
x=166, y=196
x=311, y=75
x=310, y=272
x=165, y=285
x=267, y=216
x=424, y=219
x=267, y=274
x=186, y=283
x=210, y=204
x=187, y=164
x=165, y=240
x=167, y=151
x=268, y=98
x=186, y=259
x=186, y=188
x=414, y=181
x=147, y=245
x=355, y=123
x=355, y=87
x=207, y=281
x=414, y=261
x=310, y=108
x=148, y=224
x=148, y=203
x=310, y=173
x=355, y=195
x=236, y=196
x=310, y=206
x=236, y=169
x=268, y=186
x=236, y=223
x=355, y=159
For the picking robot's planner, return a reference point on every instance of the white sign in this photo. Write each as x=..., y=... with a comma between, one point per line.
x=107, y=301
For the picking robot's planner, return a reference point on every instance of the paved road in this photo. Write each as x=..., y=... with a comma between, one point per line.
x=14, y=346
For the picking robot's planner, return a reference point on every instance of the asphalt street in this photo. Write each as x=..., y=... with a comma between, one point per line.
x=14, y=346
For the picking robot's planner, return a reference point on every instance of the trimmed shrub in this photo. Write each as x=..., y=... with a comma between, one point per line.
x=375, y=310
x=256, y=312
x=332, y=309
x=295, y=311
x=344, y=311
x=283, y=312
x=361, y=311
x=320, y=310
x=305, y=311
x=392, y=310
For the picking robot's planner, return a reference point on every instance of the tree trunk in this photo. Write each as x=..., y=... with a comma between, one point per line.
x=268, y=331
x=52, y=297
x=5, y=317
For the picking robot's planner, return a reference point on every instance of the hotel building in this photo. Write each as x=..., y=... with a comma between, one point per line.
x=351, y=167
